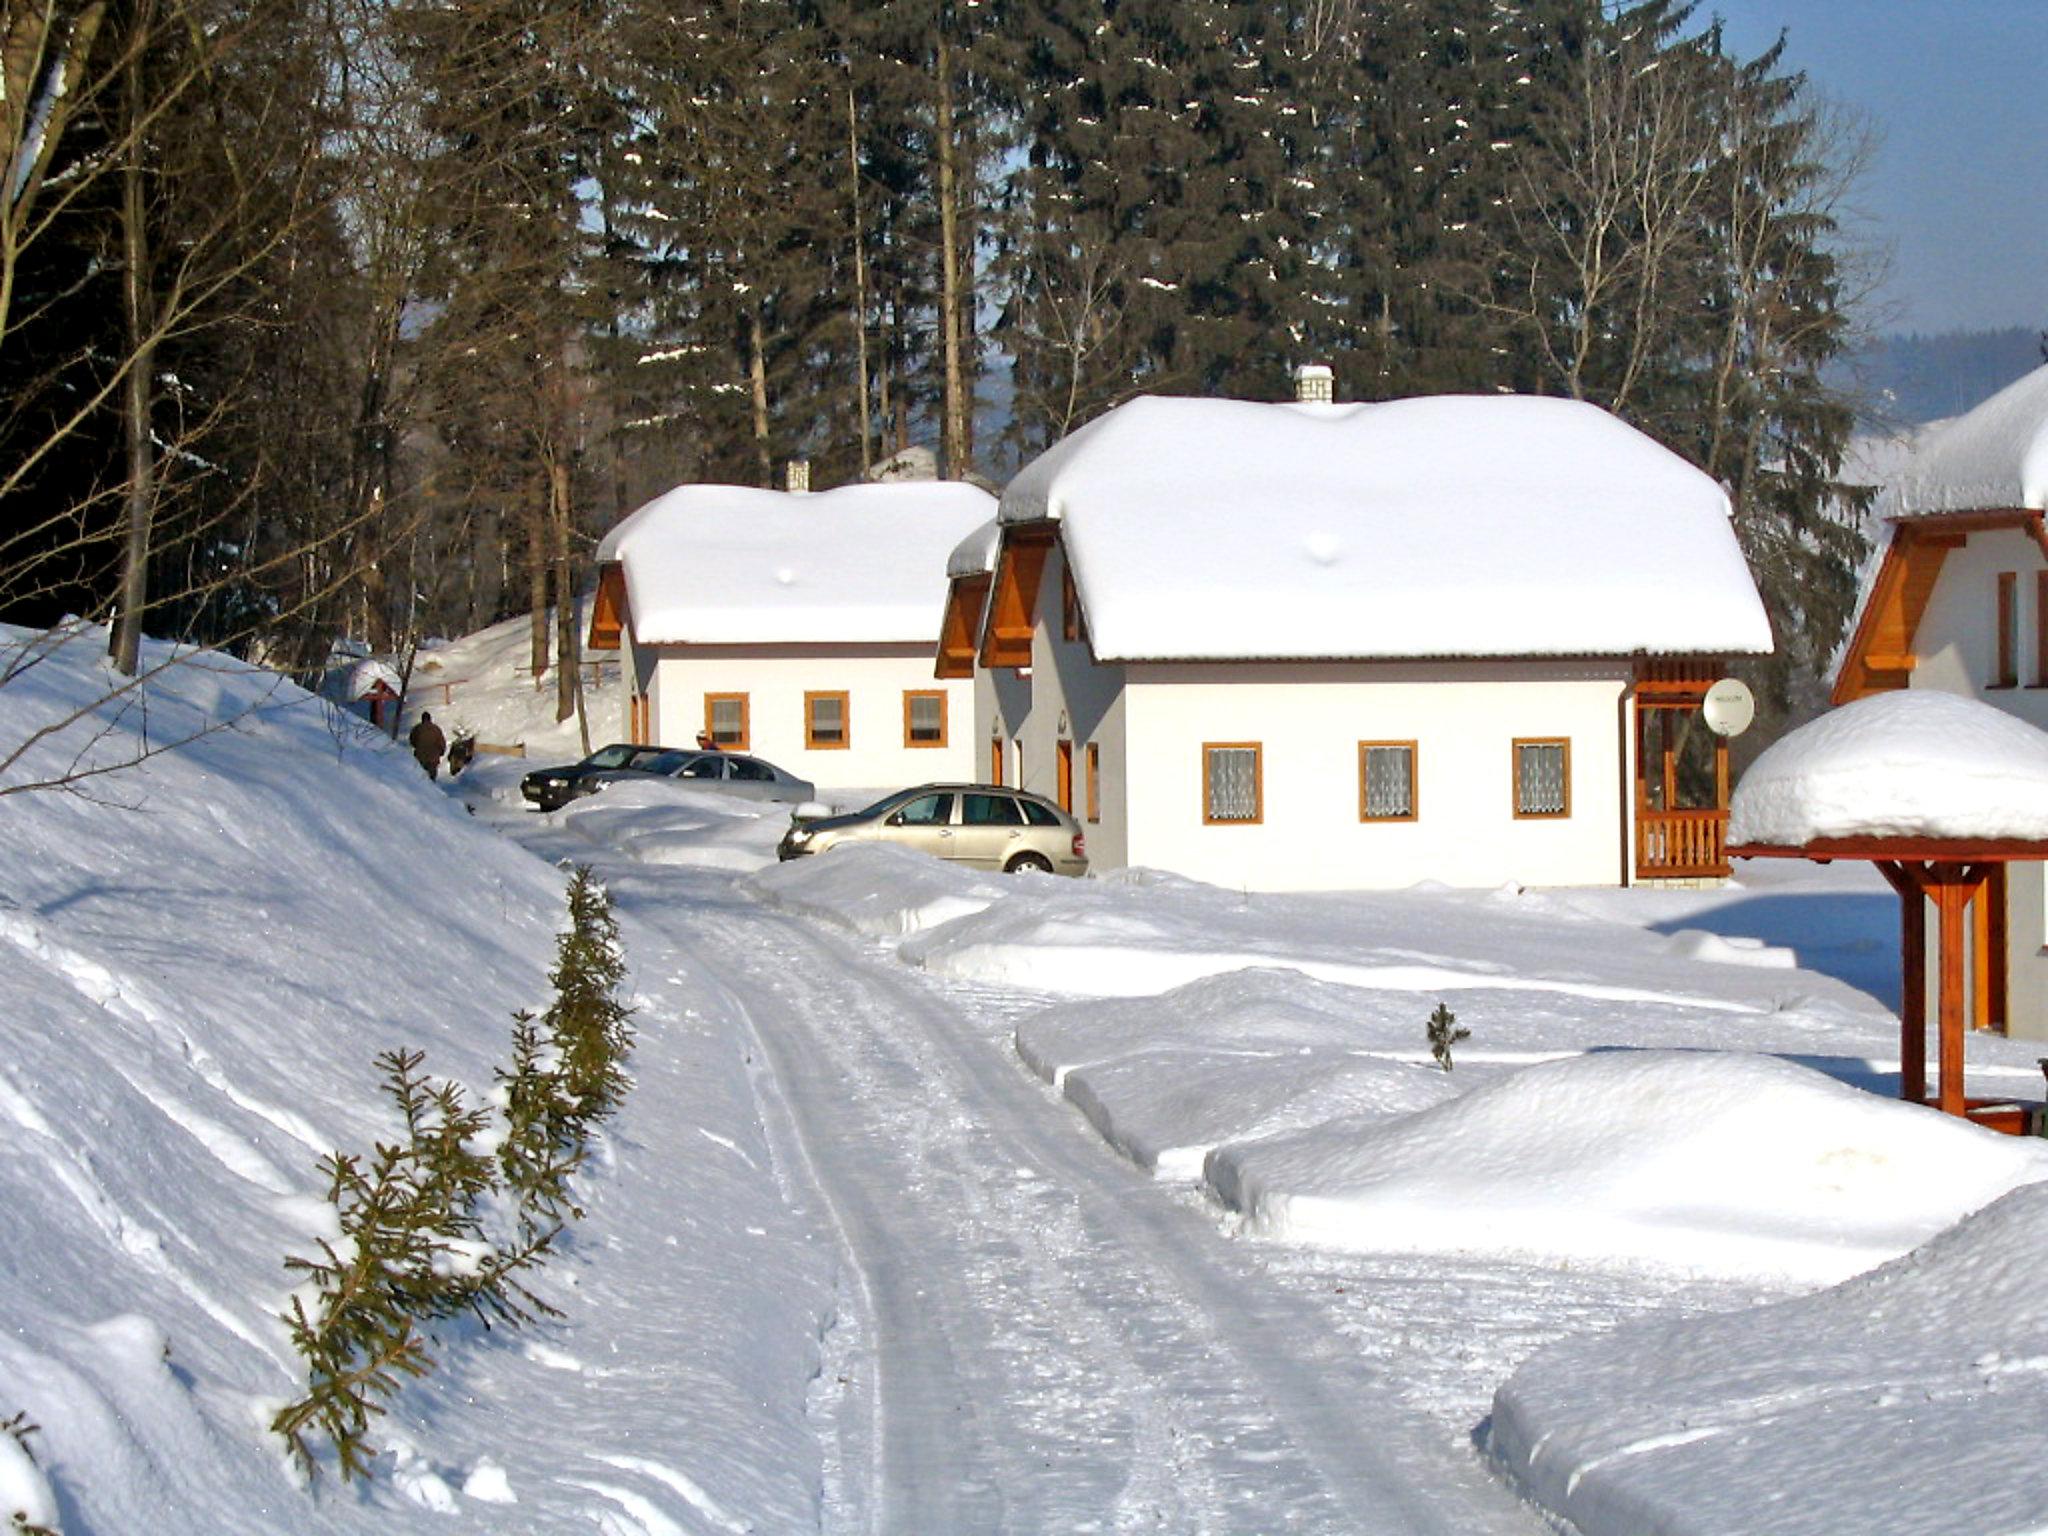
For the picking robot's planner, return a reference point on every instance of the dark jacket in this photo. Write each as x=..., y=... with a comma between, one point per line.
x=427, y=742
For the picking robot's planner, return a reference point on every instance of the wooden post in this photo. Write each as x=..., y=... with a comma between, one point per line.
x=1905, y=879
x=1951, y=900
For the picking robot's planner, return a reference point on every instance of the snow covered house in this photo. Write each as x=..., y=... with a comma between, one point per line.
x=1309, y=645
x=1957, y=600
x=798, y=626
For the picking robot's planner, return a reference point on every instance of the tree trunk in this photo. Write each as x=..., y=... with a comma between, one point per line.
x=757, y=373
x=953, y=431
x=860, y=284
x=139, y=503
x=539, y=541
x=568, y=640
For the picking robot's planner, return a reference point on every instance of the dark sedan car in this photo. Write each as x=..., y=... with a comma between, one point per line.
x=732, y=772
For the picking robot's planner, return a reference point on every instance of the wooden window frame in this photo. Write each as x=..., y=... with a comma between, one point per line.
x=1063, y=774
x=1414, y=773
x=1515, y=777
x=744, y=744
x=2006, y=645
x=995, y=761
x=1092, y=760
x=845, y=741
x=1070, y=603
x=945, y=728
x=2041, y=629
x=1258, y=751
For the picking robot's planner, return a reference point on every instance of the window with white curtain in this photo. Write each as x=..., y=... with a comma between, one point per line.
x=1386, y=781
x=1231, y=787
x=1543, y=778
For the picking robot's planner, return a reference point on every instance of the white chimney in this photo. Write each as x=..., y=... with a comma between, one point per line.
x=797, y=476
x=1315, y=384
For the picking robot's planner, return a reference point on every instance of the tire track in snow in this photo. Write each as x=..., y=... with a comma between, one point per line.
x=1069, y=1350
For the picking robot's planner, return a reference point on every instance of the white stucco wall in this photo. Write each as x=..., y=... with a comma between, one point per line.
x=1308, y=720
x=775, y=680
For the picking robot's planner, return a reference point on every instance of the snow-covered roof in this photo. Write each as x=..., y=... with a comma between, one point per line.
x=1991, y=458
x=1914, y=763
x=975, y=555
x=730, y=564
x=1444, y=526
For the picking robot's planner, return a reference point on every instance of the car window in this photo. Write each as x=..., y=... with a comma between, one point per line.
x=747, y=768
x=926, y=811
x=991, y=811
x=661, y=762
x=703, y=765
x=1039, y=815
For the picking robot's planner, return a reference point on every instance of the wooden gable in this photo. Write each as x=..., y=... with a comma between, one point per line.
x=608, y=612
x=1881, y=655
x=1013, y=606
x=960, y=630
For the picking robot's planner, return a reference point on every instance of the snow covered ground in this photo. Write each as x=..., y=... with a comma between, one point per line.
x=950, y=1203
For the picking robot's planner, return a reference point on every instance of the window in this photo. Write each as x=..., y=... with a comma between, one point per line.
x=825, y=723
x=1231, y=783
x=995, y=760
x=1070, y=605
x=925, y=811
x=1063, y=764
x=2008, y=669
x=924, y=719
x=750, y=769
x=1543, y=777
x=725, y=717
x=642, y=727
x=1386, y=781
x=990, y=811
x=1094, y=782
x=1039, y=815
x=2041, y=629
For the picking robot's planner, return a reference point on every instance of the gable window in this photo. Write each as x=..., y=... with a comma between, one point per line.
x=1094, y=782
x=725, y=717
x=1232, y=783
x=1070, y=605
x=2008, y=668
x=924, y=719
x=1386, y=781
x=2041, y=629
x=825, y=722
x=1543, y=777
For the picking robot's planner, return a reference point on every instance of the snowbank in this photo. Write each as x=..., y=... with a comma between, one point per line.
x=877, y=889
x=1994, y=457
x=1709, y=1164
x=667, y=821
x=1914, y=763
x=201, y=954
x=1913, y=1398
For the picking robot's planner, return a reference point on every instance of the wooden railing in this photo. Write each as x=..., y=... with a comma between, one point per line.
x=1679, y=845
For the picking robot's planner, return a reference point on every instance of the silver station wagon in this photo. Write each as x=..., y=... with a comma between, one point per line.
x=981, y=825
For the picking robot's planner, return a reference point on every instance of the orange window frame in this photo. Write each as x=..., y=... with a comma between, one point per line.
x=1258, y=752
x=812, y=740
x=1064, y=773
x=995, y=760
x=910, y=698
x=1515, y=777
x=2041, y=629
x=739, y=743
x=1414, y=755
x=1094, y=784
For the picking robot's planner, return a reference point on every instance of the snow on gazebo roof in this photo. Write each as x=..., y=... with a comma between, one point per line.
x=1992, y=458
x=1912, y=764
x=1453, y=525
x=731, y=564
x=975, y=555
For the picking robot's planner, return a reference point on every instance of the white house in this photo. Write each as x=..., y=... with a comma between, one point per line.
x=1308, y=645
x=795, y=625
x=1958, y=600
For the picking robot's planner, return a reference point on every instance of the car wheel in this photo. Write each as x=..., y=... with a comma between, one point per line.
x=1037, y=861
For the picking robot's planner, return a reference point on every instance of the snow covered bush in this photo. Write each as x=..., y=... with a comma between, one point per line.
x=1444, y=1033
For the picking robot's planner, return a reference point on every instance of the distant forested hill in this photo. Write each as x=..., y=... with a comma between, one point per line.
x=1910, y=379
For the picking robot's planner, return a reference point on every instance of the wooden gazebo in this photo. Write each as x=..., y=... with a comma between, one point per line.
x=1940, y=792
x=1949, y=873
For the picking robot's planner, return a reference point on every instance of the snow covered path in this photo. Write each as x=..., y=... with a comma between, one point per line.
x=1035, y=1335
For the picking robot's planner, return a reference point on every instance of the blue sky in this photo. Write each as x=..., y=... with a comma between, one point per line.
x=1958, y=189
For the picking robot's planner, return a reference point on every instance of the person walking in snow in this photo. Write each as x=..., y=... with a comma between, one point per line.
x=428, y=744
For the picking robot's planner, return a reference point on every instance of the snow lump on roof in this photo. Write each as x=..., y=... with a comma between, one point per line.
x=1915, y=763
x=1450, y=525
x=975, y=555
x=1992, y=458
x=734, y=565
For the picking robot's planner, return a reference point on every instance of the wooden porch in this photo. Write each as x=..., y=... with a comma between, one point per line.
x=1673, y=840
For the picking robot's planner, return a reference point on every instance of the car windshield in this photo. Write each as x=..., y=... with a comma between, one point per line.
x=886, y=804
x=615, y=756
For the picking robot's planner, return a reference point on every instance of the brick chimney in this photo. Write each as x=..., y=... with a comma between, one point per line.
x=1315, y=384
x=797, y=475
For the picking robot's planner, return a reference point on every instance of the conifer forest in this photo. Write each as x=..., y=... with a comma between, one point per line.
x=367, y=317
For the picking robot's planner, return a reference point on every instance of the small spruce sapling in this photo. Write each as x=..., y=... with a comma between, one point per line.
x=1445, y=1032
x=27, y=1480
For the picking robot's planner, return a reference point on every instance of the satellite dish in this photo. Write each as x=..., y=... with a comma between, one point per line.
x=1729, y=707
